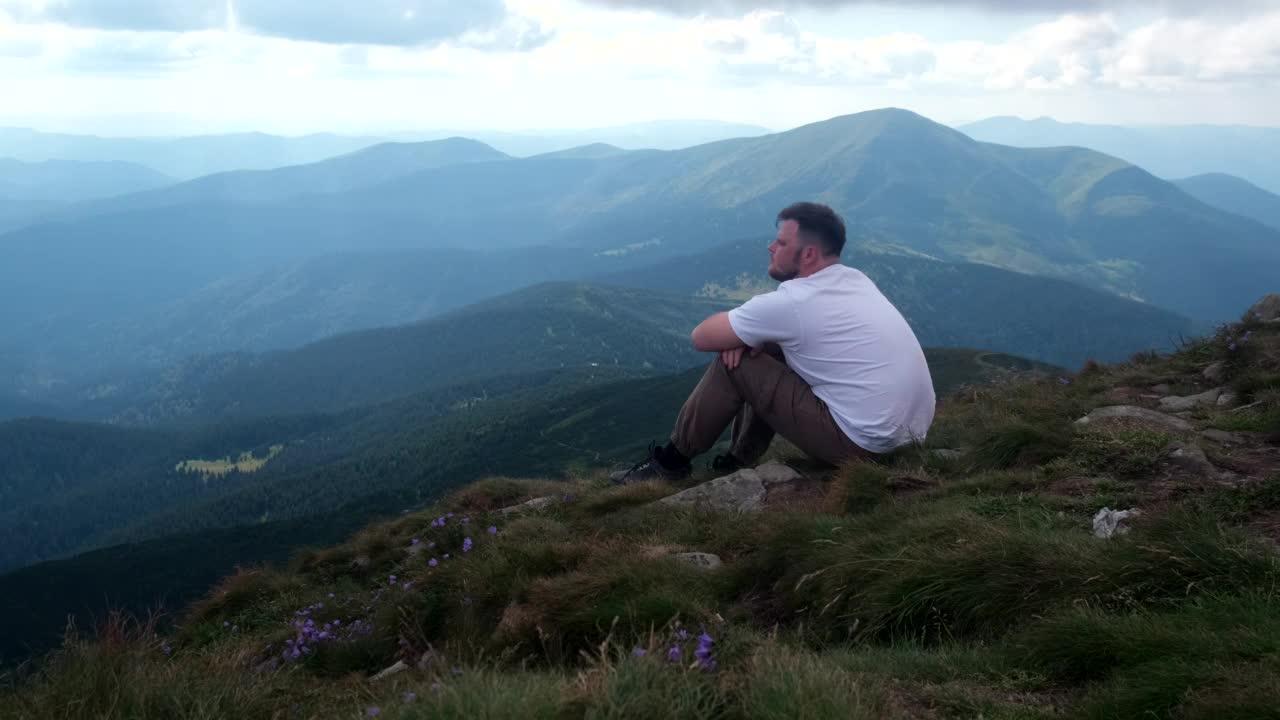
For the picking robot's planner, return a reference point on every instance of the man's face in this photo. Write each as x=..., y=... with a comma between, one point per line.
x=784, y=252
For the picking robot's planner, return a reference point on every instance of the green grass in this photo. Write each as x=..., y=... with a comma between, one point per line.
x=916, y=587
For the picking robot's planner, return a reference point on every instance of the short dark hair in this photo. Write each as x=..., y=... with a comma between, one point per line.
x=819, y=223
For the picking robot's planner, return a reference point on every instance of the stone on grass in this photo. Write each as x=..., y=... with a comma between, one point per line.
x=529, y=505
x=1215, y=371
x=399, y=667
x=1190, y=457
x=700, y=560
x=1223, y=437
x=1178, y=404
x=1108, y=522
x=1267, y=309
x=1138, y=414
x=743, y=491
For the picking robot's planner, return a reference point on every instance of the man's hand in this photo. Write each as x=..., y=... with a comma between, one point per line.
x=732, y=358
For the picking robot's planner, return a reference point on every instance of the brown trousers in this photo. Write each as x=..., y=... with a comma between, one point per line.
x=760, y=397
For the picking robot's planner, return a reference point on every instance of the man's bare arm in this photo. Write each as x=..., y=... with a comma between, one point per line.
x=715, y=334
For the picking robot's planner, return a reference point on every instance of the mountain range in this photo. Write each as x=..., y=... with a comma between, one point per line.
x=1235, y=195
x=903, y=182
x=1171, y=151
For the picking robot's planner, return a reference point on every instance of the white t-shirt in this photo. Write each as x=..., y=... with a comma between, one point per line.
x=853, y=347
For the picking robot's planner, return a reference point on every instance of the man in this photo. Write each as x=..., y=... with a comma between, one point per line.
x=825, y=360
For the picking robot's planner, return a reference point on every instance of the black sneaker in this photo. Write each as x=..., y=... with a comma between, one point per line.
x=651, y=468
x=726, y=463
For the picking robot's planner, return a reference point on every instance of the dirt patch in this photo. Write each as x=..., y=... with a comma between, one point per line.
x=1074, y=486
x=806, y=495
x=907, y=485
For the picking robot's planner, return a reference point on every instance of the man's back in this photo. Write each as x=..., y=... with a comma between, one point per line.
x=853, y=347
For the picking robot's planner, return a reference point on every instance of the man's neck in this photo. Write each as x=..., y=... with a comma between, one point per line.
x=817, y=269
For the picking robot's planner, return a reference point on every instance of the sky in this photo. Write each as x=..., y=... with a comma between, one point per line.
x=366, y=66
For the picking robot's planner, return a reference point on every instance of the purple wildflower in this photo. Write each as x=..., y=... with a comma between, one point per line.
x=466, y=520
x=703, y=653
x=682, y=634
x=1232, y=346
x=408, y=585
x=448, y=514
x=639, y=652
x=673, y=655
x=446, y=556
x=466, y=544
x=409, y=696
x=493, y=530
x=433, y=562
x=391, y=580
x=373, y=710
x=1064, y=381
x=330, y=594
x=166, y=648
x=414, y=541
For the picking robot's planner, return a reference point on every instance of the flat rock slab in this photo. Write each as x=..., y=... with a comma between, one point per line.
x=1177, y=404
x=1139, y=415
x=700, y=560
x=1224, y=437
x=529, y=505
x=1267, y=309
x=743, y=491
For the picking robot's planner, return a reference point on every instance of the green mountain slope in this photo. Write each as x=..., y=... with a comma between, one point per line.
x=977, y=582
x=182, y=157
x=548, y=326
x=951, y=304
x=362, y=168
x=1165, y=150
x=1234, y=195
x=31, y=189
x=379, y=462
x=899, y=178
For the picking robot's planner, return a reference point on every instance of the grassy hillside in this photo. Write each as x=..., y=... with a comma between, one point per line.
x=549, y=326
x=388, y=459
x=917, y=586
x=951, y=304
x=1235, y=195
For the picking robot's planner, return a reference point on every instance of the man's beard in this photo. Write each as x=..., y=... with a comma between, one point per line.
x=785, y=275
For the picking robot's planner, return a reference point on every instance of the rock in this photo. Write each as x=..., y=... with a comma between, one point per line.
x=1223, y=437
x=529, y=505
x=1215, y=371
x=1267, y=309
x=399, y=667
x=1137, y=414
x=1190, y=457
x=1226, y=399
x=743, y=491
x=1177, y=404
x=1108, y=522
x=700, y=560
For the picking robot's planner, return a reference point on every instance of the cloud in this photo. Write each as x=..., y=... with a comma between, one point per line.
x=726, y=8
x=1072, y=51
x=173, y=15
x=372, y=22
x=516, y=34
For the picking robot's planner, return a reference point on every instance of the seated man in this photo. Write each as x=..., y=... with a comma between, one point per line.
x=825, y=360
